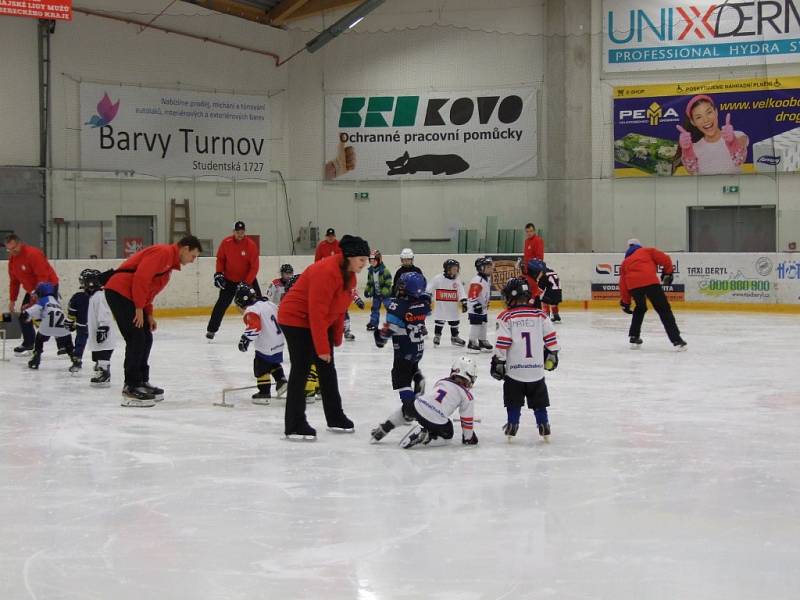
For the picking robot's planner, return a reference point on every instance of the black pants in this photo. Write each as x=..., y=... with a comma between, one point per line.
x=658, y=299
x=302, y=355
x=28, y=332
x=138, y=340
x=264, y=371
x=515, y=393
x=442, y=430
x=64, y=342
x=224, y=300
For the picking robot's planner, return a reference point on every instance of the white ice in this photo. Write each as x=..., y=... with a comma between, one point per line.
x=669, y=476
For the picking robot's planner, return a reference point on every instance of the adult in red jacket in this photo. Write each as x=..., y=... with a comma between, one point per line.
x=130, y=292
x=534, y=248
x=237, y=262
x=327, y=247
x=638, y=279
x=27, y=268
x=311, y=315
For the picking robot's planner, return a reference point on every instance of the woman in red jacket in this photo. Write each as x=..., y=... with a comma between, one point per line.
x=311, y=315
x=638, y=278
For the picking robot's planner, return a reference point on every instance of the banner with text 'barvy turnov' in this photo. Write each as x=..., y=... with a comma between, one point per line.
x=431, y=135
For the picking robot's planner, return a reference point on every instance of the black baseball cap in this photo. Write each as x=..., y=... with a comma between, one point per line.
x=239, y=226
x=330, y=231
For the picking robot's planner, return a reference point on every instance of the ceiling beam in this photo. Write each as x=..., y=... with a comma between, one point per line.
x=236, y=9
x=315, y=7
x=283, y=11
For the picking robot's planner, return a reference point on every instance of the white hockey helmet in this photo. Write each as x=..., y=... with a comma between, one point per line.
x=466, y=368
x=406, y=253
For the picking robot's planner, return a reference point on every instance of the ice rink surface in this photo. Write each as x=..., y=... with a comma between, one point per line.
x=668, y=476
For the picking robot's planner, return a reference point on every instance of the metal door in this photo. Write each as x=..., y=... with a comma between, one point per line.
x=134, y=233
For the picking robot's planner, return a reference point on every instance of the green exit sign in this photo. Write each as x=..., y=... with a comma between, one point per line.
x=361, y=195
x=730, y=189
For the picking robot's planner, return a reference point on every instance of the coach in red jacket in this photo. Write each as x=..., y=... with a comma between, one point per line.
x=327, y=247
x=130, y=293
x=534, y=248
x=27, y=267
x=311, y=315
x=638, y=279
x=237, y=262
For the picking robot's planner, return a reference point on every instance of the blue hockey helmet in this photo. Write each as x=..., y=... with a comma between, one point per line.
x=44, y=289
x=536, y=266
x=412, y=284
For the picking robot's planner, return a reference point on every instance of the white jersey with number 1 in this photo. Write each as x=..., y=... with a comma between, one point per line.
x=51, y=316
x=261, y=328
x=522, y=334
x=443, y=400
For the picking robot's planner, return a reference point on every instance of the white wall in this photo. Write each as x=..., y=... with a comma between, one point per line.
x=19, y=92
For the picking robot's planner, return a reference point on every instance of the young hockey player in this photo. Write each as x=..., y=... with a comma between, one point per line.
x=348, y=334
x=526, y=347
x=406, y=265
x=52, y=322
x=101, y=331
x=261, y=328
x=77, y=314
x=432, y=410
x=277, y=289
x=478, y=303
x=549, y=285
x=405, y=325
x=379, y=287
x=447, y=292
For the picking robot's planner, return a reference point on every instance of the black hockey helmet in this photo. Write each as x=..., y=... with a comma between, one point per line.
x=286, y=268
x=90, y=280
x=245, y=296
x=516, y=291
x=448, y=264
x=481, y=263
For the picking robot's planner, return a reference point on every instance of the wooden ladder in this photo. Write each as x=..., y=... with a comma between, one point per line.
x=184, y=219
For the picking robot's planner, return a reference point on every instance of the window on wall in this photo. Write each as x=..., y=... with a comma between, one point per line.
x=732, y=229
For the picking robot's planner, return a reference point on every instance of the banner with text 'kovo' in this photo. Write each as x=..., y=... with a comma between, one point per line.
x=431, y=135
x=726, y=127
x=176, y=133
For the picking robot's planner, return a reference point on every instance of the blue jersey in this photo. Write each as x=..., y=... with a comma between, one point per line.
x=406, y=319
x=78, y=310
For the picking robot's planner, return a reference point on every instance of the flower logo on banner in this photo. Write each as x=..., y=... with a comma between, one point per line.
x=106, y=111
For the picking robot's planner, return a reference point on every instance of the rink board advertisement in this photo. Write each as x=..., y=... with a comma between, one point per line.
x=647, y=35
x=605, y=278
x=52, y=10
x=759, y=118
x=431, y=135
x=505, y=267
x=174, y=133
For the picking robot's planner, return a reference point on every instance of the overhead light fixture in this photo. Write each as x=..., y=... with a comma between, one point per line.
x=348, y=21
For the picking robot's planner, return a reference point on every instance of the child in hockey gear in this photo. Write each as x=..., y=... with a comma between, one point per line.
x=379, y=287
x=478, y=303
x=278, y=288
x=526, y=347
x=52, y=322
x=312, y=382
x=261, y=328
x=432, y=410
x=348, y=334
x=101, y=331
x=448, y=294
x=77, y=315
x=405, y=325
x=549, y=296
x=406, y=266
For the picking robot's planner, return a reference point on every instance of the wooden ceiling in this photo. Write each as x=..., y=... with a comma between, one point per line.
x=277, y=13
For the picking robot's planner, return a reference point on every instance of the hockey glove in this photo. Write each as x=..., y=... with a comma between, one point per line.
x=24, y=317
x=244, y=343
x=497, y=368
x=473, y=441
x=478, y=310
x=360, y=303
x=367, y=293
x=220, y=281
x=423, y=331
x=666, y=278
x=102, y=333
x=380, y=341
x=626, y=307
x=463, y=305
x=550, y=360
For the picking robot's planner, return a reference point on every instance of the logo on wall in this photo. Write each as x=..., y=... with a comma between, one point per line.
x=788, y=269
x=106, y=111
x=764, y=266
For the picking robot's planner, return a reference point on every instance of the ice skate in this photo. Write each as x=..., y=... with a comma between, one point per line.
x=280, y=388
x=457, y=341
x=158, y=393
x=342, y=425
x=102, y=378
x=437, y=339
x=556, y=318
x=261, y=398
x=377, y=434
x=544, y=431
x=473, y=348
x=304, y=433
x=23, y=351
x=371, y=327
x=210, y=335
x=680, y=345
x=510, y=429
x=349, y=336
x=485, y=346
x=636, y=342
x=415, y=436
x=36, y=358
x=311, y=396
x=137, y=397
x=77, y=365
x=62, y=352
